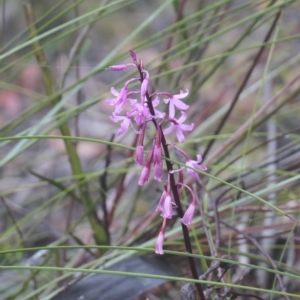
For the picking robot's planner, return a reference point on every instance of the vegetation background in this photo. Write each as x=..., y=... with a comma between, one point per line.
x=68, y=183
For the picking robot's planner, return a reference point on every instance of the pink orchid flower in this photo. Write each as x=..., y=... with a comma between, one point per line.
x=175, y=101
x=179, y=127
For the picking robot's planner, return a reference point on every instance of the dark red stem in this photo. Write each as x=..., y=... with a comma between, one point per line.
x=185, y=232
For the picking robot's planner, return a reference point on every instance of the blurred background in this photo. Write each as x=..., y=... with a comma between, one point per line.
x=63, y=184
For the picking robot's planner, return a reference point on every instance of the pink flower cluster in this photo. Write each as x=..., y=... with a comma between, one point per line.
x=135, y=108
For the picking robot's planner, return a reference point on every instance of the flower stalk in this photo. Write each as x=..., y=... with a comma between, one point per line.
x=141, y=113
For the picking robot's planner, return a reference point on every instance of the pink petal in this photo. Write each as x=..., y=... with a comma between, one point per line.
x=124, y=126
x=120, y=67
x=157, y=154
x=187, y=127
x=159, y=243
x=144, y=176
x=188, y=216
x=195, y=164
x=180, y=105
x=167, y=100
x=139, y=158
x=161, y=201
x=179, y=134
x=182, y=117
x=169, y=129
x=116, y=118
x=167, y=211
x=133, y=102
x=182, y=94
x=114, y=91
x=139, y=119
x=111, y=101
x=159, y=114
x=158, y=170
x=193, y=173
x=203, y=168
x=121, y=101
x=144, y=87
x=155, y=102
x=171, y=110
x=199, y=158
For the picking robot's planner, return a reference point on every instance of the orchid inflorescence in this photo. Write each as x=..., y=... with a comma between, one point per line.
x=138, y=115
